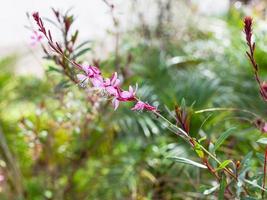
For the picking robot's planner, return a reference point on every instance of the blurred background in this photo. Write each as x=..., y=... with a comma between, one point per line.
x=58, y=141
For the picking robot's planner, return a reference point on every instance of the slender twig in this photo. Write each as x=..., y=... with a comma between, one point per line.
x=17, y=177
x=228, y=109
x=248, y=22
x=264, y=172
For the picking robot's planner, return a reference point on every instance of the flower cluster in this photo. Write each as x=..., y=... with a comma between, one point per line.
x=111, y=87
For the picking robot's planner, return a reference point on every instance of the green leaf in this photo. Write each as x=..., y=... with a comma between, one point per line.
x=223, y=137
x=246, y=161
x=211, y=190
x=211, y=148
x=262, y=141
x=80, y=53
x=254, y=184
x=248, y=198
x=187, y=161
x=198, y=150
x=260, y=157
x=223, y=164
x=53, y=69
x=202, y=139
x=82, y=44
x=182, y=61
x=247, y=158
x=223, y=184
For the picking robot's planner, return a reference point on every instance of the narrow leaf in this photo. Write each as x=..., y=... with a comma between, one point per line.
x=80, y=53
x=262, y=141
x=211, y=190
x=82, y=44
x=51, y=68
x=223, y=184
x=187, y=161
x=223, y=164
x=223, y=137
x=254, y=184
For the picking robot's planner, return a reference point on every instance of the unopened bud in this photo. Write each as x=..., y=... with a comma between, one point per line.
x=237, y=164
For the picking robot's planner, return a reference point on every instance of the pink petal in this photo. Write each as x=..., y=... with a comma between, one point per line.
x=131, y=89
x=95, y=70
x=264, y=129
x=82, y=77
x=40, y=38
x=126, y=95
x=97, y=82
x=117, y=83
x=107, y=82
x=112, y=91
x=113, y=78
x=115, y=103
x=139, y=106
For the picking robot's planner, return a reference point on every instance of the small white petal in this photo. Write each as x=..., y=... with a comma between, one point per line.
x=115, y=103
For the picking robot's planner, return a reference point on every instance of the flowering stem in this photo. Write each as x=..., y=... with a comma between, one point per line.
x=248, y=22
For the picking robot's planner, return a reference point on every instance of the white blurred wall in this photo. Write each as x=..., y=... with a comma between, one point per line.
x=93, y=15
x=93, y=21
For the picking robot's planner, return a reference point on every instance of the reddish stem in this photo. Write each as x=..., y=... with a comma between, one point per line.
x=264, y=172
x=248, y=22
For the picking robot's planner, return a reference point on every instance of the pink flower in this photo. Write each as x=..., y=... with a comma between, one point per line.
x=122, y=96
x=128, y=95
x=97, y=82
x=264, y=128
x=93, y=74
x=264, y=90
x=83, y=79
x=112, y=84
x=91, y=71
x=115, y=103
x=140, y=106
x=35, y=38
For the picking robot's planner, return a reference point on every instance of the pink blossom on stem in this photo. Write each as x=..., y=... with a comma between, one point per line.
x=83, y=79
x=263, y=88
x=91, y=71
x=115, y=103
x=140, y=106
x=97, y=82
x=128, y=95
x=93, y=74
x=112, y=84
x=35, y=38
x=123, y=96
x=264, y=128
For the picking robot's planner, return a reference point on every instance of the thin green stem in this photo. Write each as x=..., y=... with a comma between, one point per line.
x=228, y=109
